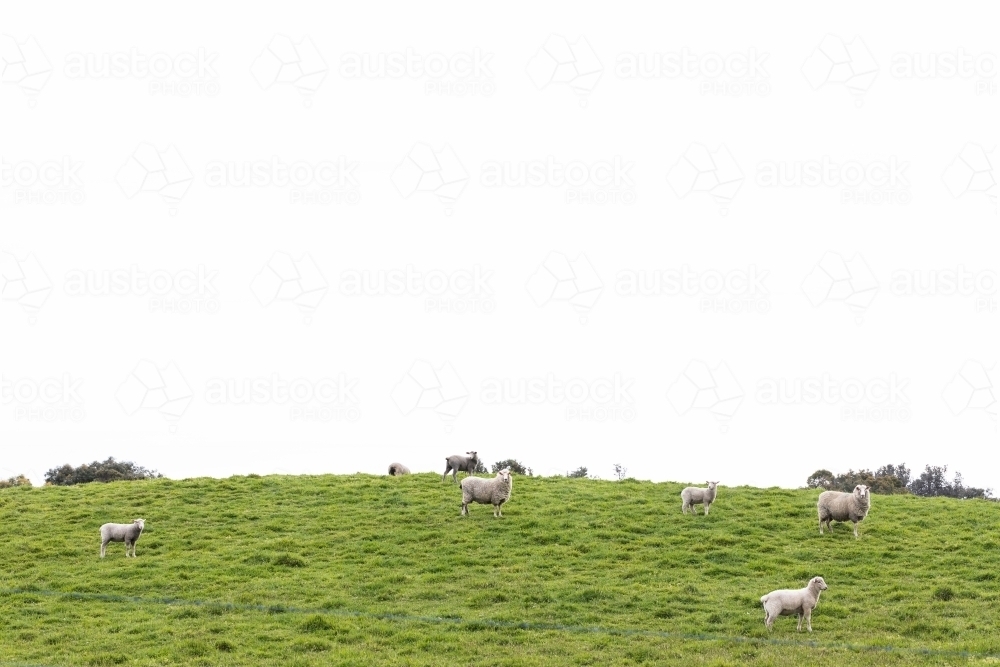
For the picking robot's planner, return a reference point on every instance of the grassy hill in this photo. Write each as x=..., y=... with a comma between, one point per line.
x=331, y=570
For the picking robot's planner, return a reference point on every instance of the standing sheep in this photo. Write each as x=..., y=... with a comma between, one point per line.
x=457, y=462
x=694, y=495
x=398, y=469
x=494, y=491
x=787, y=602
x=837, y=506
x=122, y=532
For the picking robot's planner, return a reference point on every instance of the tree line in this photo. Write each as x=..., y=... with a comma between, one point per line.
x=890, y=479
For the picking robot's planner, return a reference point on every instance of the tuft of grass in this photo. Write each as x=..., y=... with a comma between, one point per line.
x=579, y=571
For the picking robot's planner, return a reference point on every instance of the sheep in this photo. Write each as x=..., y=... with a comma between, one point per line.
x=694, y=495
x=457, y=462
x=122, y=532
x=837, y=506
x=494, y=491
x=398, y=469
x=787, y=602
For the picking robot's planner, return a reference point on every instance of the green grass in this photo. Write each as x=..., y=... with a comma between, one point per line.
x=348, y=570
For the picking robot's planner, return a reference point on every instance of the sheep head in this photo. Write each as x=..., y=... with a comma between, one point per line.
x=712, y=485
x=819, y=583
x=861, y=492
x=140, y=522
x=504, y=475
x=473, y=455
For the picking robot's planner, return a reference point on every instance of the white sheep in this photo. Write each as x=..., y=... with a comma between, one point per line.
x=838, y=506
x=122, y=532
x=494, y=491
x=694, y=495
x=457, y=462
x=787, y=602
x=398, y=469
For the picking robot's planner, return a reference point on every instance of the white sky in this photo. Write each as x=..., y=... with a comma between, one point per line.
x=906, y=132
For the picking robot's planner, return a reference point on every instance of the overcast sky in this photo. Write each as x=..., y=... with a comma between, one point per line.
x=710, y=248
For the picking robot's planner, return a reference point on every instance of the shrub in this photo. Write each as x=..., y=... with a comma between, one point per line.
x=887, y=480
x=933, y=482
x=98, y=471
x=20, y=480
x=580, y=472
x=515, y=466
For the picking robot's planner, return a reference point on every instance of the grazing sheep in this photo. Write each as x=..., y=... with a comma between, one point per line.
x=494, y=491
x=787, y=602
x=398, y=469
x=122, y=532
x=837, y=506
x=457, y=462
x=694, y=495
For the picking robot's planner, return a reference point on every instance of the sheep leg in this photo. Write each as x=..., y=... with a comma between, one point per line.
x=104, y=546
x=855, y=530
x=707, y=505
x=684, y=507
x=809, y=622
x=798, y=628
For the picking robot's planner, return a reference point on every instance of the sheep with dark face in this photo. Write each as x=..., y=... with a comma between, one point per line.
x=457, y=462
x=838, y=506
x=396, y=469
x=122, y=532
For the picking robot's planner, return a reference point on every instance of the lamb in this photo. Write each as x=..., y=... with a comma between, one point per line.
x=122, y=532
x=398, y=469
x=837, y=506
x=787, y=602
x=494, y=491
x=694, y=495
x=457, y=462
